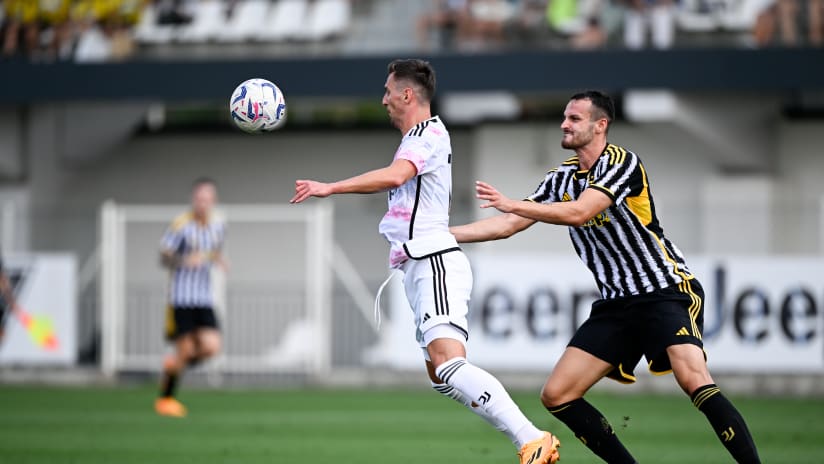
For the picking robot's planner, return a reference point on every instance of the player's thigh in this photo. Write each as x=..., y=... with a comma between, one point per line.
x=669, y=318
x=575, y=373
x=689, y=366
x=610, y=334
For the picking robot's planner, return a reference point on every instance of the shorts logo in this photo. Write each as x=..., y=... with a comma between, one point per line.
x=682, y=332
x=426, y=317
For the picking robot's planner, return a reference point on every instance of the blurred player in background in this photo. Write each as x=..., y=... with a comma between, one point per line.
x=437, y=276
x=189, y=248
x=651, y=304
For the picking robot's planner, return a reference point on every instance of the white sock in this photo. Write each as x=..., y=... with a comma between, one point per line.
x=451, y=393
x=473, y=382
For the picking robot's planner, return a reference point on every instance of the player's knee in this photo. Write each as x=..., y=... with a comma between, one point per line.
x=553, y=395
x=172, y=364
x=209, y=347
x=693, y=380
x=208, y=351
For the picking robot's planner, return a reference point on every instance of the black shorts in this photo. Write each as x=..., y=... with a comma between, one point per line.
x=180, y=321
x=621, y=330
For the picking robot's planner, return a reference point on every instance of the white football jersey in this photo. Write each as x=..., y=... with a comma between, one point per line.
x=420, y=207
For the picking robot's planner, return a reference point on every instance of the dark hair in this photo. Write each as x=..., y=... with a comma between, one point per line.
x=419, y=72
x=201, y=181
x=602, y=104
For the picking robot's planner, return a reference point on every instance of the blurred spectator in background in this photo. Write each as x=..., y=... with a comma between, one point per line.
x=86, y=30
x=777, y=17
x=21, y=20
x=450, y=20
x=104, y=29
x=580, y=21
x=656, y=15
x=593, y=36
x=488, y=20
x=56, y=29
x=815, y=22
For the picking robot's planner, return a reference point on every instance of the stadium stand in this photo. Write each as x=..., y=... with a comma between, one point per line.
x=219, y=28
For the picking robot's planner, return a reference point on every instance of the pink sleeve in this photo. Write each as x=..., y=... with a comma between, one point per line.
x=417, y=151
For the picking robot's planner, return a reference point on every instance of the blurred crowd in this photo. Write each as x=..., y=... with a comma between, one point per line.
x=98, y=30
x=84, y=30
x=634, y=24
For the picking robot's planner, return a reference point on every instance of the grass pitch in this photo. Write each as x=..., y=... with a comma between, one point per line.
x=118, y=426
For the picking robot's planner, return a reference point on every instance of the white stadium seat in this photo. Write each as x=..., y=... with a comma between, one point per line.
x=689, y=18
x=148, y=31
x=208, y=18
x=328, y=18
x=246, y=21
x=286, y=20
x=741, y=15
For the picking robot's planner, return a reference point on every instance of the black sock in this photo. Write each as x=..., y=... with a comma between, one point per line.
x=592, y=428
x=727, y=423
x=169, y=385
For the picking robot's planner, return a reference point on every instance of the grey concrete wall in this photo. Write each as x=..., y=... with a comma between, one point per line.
x=697, y=202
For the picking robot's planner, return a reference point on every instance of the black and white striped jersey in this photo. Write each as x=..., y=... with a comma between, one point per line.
x=192, y=286
x=624, y=246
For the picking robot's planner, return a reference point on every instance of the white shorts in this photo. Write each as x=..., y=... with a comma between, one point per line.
x=438, y=289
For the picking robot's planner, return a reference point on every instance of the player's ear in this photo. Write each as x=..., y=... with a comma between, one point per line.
x=602, y=125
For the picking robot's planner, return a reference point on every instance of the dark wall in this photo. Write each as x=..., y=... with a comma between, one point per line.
x=699, y=69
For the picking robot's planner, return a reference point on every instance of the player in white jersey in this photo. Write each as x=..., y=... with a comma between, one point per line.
x=437, y=276
x=189, y=248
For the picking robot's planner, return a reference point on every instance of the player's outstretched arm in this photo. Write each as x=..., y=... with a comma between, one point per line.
x=568, y=213
x=493, y=228
x=379, y=180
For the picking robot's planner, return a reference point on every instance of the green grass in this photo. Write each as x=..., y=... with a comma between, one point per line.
x=118, y=426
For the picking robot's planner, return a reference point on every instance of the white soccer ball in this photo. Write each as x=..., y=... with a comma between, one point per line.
x=257, y=105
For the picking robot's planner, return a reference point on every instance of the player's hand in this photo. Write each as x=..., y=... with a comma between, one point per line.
x=222, y=263
x=309, y=188
x=494, y=198
x=195, y=259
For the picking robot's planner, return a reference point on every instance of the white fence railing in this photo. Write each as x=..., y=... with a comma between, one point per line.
x=274, y=304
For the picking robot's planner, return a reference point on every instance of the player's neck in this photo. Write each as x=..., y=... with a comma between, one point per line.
x=589, y=154
x=416, y=117
x=201, y=219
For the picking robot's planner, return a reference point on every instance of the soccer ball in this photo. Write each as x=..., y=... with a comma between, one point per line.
x=257, y=105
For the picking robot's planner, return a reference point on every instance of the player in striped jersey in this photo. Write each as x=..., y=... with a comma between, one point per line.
x=189, y=248
x=652, y=304
x=437, y=276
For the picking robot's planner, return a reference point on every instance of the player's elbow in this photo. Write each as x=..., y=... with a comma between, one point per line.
x=396, y=181
x=512, y=225
x=505, y=233
x=579, y=217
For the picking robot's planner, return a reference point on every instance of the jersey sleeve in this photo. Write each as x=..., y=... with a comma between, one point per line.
x=421, y=152
x=616, y=175
x=545, y=193
x=172, y=240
